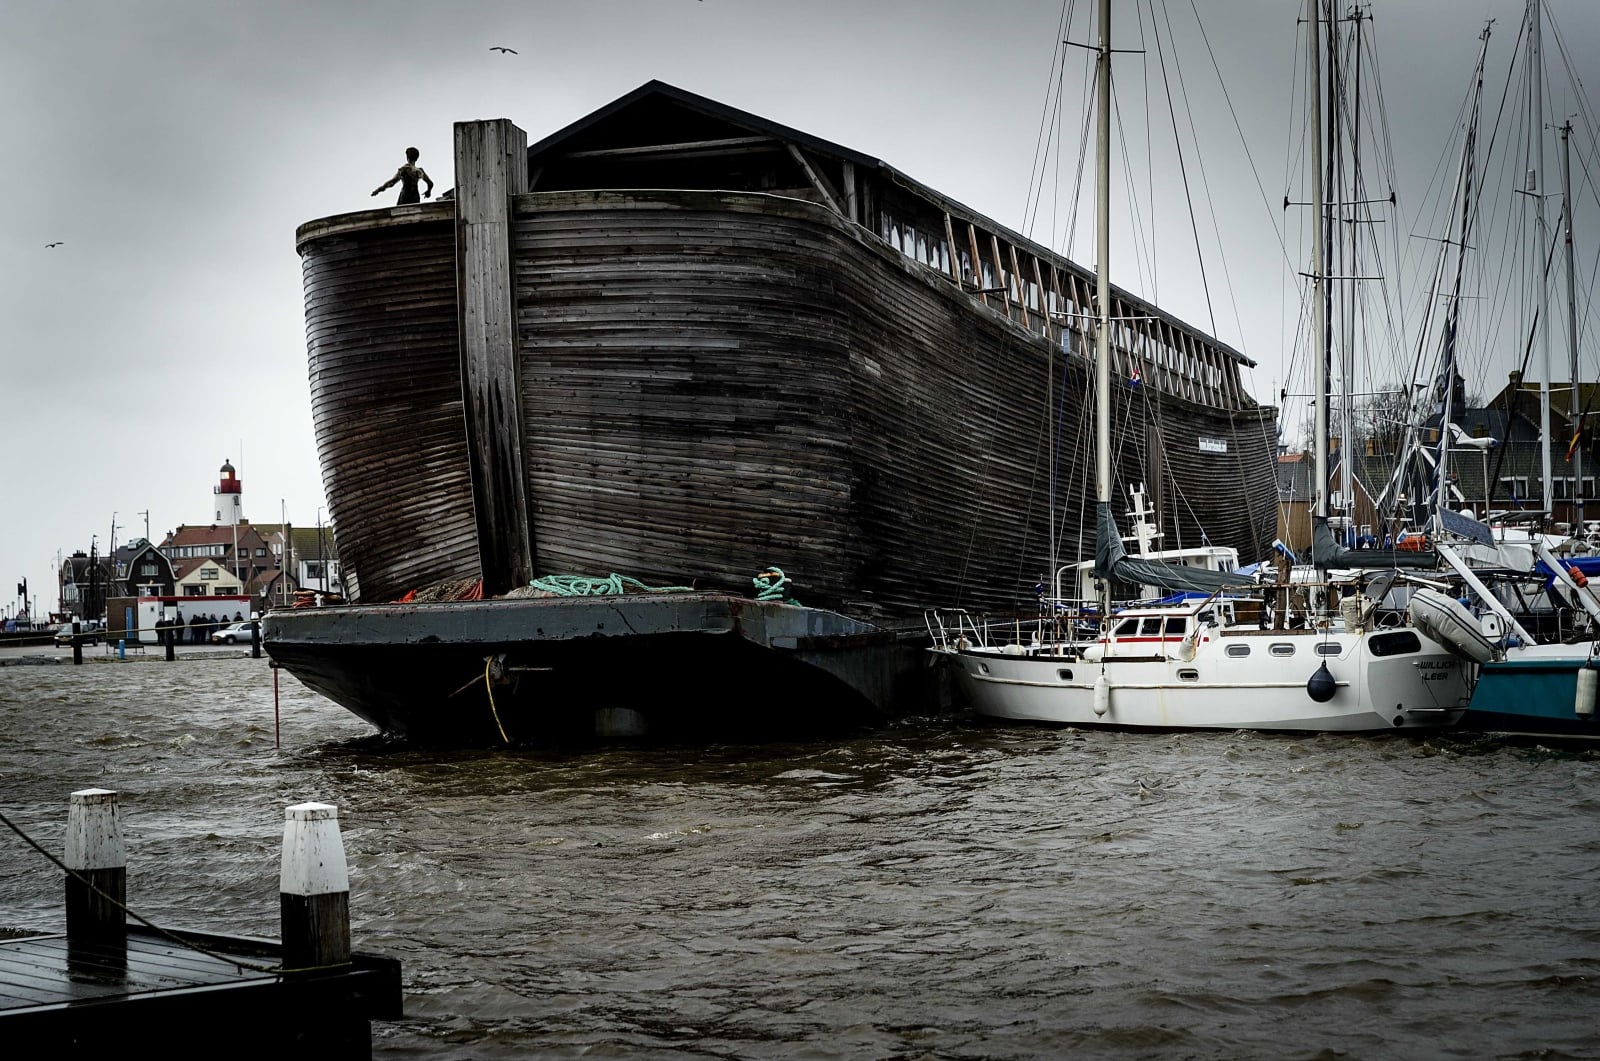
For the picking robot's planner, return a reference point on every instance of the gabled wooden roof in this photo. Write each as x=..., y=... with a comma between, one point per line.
x=677, y=116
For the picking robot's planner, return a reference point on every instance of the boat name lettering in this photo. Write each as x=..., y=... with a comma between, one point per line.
x=1213, y=445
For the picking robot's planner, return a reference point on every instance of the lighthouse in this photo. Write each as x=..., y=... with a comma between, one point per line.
x=229, y=498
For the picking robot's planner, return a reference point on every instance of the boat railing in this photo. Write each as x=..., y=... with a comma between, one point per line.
x=1062, y=626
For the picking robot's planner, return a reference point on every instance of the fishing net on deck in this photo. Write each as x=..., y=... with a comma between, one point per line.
x=446, y=590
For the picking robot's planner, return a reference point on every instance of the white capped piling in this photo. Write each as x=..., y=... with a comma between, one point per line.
x=97, y=887
x=314, y=889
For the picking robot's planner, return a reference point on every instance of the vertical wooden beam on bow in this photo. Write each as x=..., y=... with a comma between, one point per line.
x=492, y=166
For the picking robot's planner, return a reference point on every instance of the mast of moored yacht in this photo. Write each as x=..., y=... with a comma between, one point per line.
x=1463, y=198
x=1102, y=284
x=1541, y=272
x=1319, y=311
x=1573, y=404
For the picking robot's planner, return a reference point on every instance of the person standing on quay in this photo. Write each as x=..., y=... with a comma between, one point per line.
x=407, y=177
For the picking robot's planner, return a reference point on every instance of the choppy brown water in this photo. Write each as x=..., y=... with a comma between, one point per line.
x=941, y=890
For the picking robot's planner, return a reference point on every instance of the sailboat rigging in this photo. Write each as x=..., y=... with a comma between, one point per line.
x=1526, y=685
x=1212, y=657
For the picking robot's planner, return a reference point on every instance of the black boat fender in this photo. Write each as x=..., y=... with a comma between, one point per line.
x=1321, y=685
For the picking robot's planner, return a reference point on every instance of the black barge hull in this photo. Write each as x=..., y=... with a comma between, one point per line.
x=692, y=667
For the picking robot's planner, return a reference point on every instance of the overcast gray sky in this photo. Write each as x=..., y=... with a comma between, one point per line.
x=173, y=148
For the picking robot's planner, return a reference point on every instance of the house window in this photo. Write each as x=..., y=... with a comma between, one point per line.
x=194, y=591
x=149, y=569
x=261, y=552
x=219, y=550
x=209, y=573
x=1517, y=485
x=313, y=569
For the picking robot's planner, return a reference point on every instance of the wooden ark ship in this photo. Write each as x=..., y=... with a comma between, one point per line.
x=682, y=343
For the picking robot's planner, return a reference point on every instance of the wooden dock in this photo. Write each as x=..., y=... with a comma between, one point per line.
x=105, y=986
x=165, y=990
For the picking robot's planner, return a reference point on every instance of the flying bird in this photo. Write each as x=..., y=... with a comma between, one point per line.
x=57, y=243
x=497, y=48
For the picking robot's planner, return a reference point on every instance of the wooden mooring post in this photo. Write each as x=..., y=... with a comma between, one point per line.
x=314, y=889
x=97, y=887
x=113, y=984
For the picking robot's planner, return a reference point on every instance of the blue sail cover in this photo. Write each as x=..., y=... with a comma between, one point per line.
x=1112, y=561
x=1589, y=566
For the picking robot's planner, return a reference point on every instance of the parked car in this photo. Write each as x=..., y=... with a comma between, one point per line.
x=231, y=634
x=90, y=632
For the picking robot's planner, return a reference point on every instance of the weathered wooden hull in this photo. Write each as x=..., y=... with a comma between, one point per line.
x=714, y=382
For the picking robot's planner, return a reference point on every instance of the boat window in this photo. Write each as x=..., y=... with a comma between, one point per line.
x=1394, y=643
x=1281, y=648
x=983, y=668
x=1238, y=650
x=1126, y=628
x=1151, y=627
x=1330, y=649
x=1064, y=675
x=1177, y=625
x=1188, y=674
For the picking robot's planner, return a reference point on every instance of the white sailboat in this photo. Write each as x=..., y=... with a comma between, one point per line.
x=1207, y=662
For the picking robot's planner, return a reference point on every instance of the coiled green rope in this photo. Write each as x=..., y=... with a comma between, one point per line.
x=769, y=585
x=589, y=586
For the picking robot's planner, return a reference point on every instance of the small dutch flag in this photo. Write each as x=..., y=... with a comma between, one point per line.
x=1135, y=379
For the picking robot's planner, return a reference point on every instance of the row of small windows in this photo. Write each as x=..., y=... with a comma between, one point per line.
x=183, y=552
x=933, y=250
x=1284, y=648
x=1561, y=487
x=1153, y=626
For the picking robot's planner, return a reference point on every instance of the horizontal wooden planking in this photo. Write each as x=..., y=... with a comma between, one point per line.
x=654, y=327
x=386, y=404
x=716, y=382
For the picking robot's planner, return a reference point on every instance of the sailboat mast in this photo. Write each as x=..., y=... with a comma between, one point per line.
x=1574, y=406
x=1536, y=189
x=1350, y=252
x=1102, y=286
x=1464, y=212
x=1102, y=269
x=1319, y=309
